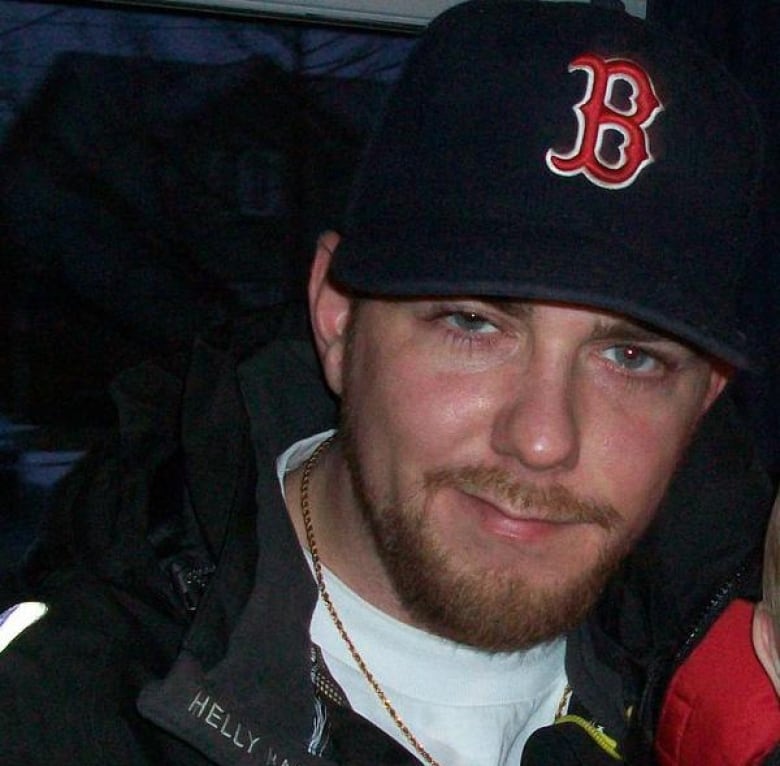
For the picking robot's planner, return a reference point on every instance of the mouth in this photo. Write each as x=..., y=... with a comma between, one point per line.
x=527, y=523
x=517, y=510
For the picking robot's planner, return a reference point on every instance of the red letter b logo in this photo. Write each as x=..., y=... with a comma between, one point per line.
x=597, y=114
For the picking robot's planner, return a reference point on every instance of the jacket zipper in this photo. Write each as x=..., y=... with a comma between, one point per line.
x=661, y=672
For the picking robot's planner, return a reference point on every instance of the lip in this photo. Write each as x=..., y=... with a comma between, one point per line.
x=524, y=525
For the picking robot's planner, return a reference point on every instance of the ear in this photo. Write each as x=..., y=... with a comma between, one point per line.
x=765, y=644
x=329, y=309
x=720, y=375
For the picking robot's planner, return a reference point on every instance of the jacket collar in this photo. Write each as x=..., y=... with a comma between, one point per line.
x=240, y=691
x=683, y=572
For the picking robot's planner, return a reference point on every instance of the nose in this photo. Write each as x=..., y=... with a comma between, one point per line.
x=538, y=425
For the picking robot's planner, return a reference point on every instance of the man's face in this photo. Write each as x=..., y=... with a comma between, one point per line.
x=507, y=454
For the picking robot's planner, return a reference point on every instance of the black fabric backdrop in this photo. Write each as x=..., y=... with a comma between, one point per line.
x=142, y=198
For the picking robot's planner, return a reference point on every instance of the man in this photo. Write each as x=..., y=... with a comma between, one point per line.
x=529, y=323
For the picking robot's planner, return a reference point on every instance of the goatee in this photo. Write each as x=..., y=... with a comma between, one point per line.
x=491, y=608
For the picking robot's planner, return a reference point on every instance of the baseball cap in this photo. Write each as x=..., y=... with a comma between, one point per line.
x=561, y=152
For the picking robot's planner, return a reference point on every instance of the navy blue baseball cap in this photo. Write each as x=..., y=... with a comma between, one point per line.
x=562, y=152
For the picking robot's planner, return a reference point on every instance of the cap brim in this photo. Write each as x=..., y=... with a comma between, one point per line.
x=540, y=269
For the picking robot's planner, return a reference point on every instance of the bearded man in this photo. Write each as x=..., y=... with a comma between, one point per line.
x=526, y=515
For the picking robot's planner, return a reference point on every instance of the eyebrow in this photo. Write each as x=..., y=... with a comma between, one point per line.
x=514, y=308
x=622, y=329
x=606, y=328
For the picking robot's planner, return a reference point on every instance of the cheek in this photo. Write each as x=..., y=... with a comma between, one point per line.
x=409, y=416
x=636, y=452
x=422, y=411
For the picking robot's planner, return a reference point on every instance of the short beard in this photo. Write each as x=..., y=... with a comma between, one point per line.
x=490, y=609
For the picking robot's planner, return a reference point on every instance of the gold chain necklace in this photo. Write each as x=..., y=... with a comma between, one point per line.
x=311, y=541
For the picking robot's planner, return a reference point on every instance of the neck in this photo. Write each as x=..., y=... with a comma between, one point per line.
x=345, y=543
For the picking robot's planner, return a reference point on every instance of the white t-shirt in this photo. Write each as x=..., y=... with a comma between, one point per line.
x=466, y=706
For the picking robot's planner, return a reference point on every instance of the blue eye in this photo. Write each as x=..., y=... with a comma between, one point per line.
x=632, y=358
x=470, y=322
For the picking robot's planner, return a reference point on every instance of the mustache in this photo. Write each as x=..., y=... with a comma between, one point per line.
x=555, y=502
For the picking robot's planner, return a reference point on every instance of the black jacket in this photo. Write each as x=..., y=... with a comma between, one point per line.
x=180, y=601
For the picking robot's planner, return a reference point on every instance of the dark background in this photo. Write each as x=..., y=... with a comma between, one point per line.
x=161, y=171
